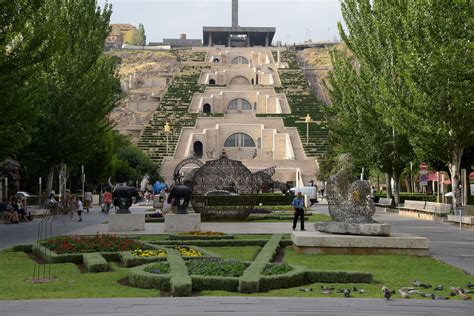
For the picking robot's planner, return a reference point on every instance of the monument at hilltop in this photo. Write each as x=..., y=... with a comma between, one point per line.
x=237, y=36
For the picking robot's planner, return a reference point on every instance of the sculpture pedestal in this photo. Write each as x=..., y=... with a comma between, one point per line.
x=126, y=222
x=401, y=244
x=363, y=229
x=177, y=223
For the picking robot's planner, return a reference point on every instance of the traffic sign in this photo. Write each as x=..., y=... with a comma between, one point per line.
x=423, y=166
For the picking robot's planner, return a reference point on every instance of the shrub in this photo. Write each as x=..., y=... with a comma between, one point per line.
x=273, y=199
x=216, y=243
x=158, y=268
x=145, y=280
x=203, y=236
x=94, y=262
x=216, y=267
x=276, y=268
x=181, y=284
x=214, y=283
x=132, y=261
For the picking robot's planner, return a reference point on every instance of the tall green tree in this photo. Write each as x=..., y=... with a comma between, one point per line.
x=365, y=86
x=139, y=37
x=23, y=47
x=438, y=66
x=81, y=85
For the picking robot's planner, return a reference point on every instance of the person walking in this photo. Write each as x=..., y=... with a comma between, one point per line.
x=298, y=205
x=88, y=200
x=107, y=201
x=80, y=208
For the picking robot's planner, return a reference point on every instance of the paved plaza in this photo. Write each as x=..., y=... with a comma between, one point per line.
x=236, y=306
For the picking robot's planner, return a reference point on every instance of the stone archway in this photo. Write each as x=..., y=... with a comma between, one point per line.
x=239, y=81
x=206, y=108
x=198, y=149
x=212, y=82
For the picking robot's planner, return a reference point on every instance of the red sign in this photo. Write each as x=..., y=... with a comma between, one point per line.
x=423, y=166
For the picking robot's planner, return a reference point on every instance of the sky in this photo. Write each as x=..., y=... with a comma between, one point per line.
x=295, y=20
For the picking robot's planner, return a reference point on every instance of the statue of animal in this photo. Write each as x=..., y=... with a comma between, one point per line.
x=182, y=195
x=124, y=196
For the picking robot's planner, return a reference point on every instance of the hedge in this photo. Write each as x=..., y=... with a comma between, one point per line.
x=28, y=248
x=181, y=283
x=138, y=277
x=52, y=257
x=274, y=199
x=202, y=283
x=215, y=243
x=94, y=262
x=249, y=281
x=409, y=196
x=200, y=237
x=295, y=277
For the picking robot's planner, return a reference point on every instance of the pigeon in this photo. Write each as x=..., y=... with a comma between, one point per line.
x=425, y=286
x=415, y=283
x=470, y=285
x=462, y=294
x=354, y=289
x=346, y=292
x=452, y=293
x=306, y=290
x=439, y=298
x=386, y=292
x=329, y=288
x=361, y=291
x=439, y=288
x=403, y=293
x=326, y=292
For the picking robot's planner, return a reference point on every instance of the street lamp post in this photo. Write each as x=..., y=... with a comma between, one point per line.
x=83, y=180
x=167, y=130
x=308, y=120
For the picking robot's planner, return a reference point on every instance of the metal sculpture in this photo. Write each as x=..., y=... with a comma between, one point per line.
x=176, y=174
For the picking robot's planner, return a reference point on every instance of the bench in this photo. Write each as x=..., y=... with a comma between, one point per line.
x=424, y=210
x=384, y=202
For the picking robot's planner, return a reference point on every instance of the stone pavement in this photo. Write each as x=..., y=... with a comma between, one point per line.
x=245, y=306
x=448, y=243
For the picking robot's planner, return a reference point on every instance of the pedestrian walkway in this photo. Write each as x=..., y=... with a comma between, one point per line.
x=448, y=243
x=236, y=306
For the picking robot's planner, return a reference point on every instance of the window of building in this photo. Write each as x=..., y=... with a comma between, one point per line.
x=240, y=60
x=239, y=104
x=239, y=140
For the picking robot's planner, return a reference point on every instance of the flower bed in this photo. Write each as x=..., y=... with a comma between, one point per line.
x=188, y=252
x=148, y=253
x=159, y=268
x=217, y=267
x=276, y=268
x=86, y=244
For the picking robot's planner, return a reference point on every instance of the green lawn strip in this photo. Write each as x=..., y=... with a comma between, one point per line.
x=245, y=253
x=69, y=282
x=393, y=271
x=249, y=281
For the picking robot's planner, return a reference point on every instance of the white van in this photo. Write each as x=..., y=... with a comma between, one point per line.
x=309, y=193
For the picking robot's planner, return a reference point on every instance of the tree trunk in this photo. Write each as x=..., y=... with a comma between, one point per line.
x=408, y=184
x=50, y=181
x=454, y=169
x=388, y=183
x=396, y=187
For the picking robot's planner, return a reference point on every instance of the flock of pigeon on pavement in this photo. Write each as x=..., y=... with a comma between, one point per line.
x=405, y=292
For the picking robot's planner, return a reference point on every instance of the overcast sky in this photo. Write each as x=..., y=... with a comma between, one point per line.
x=295, y=20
